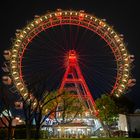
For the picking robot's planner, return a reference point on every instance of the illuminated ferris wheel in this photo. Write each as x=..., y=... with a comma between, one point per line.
x=40, y=48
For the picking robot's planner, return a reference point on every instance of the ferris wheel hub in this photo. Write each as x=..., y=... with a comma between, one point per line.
x=72, y=57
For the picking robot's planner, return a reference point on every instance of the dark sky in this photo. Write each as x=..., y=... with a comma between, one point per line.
x=122, y=14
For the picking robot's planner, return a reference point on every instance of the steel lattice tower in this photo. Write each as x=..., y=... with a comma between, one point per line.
x=73, y=81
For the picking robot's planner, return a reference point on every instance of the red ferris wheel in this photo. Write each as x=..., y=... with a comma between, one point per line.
x=96, y=55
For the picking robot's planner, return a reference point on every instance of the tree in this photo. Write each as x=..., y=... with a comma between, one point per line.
x=69, y=106
x=6, y=117
x=108, y=112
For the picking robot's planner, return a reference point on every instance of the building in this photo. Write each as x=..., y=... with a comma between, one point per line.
x=129, y=124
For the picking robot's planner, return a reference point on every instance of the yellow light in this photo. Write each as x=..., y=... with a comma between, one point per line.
x=95, y=19
x=32, y=24
x=36, y=22
x=122, y=49
x=112, y=32
x=120, y=90
x=122, y=85
x=126, y=59
x=40, y=19
x=124, y=80
x=124, y=54
x=28, y=28
x=117, y=95
x=14, y=51
x=18, y=84
x=46, y=17
x=76, y=13
x=91, y=17
x=14, y=66
x=21, y=36
x=16, y=78
x=34, y=103
x=66, y=13
x=25, y=94
x=13, y=61
x=70, y=13
x=125, y=75
x=14, y=55
x=118, y=40
x=14, y=73
x=86, y=16
x=108, y=28
x=17, y=45
x=18, y=40
x=121, y=45
x=50, y=15
x=24, y=32
x=21, y=89
x=125, y=69
x=126, y=65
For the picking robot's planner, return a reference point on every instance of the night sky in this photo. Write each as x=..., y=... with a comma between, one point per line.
x=123, y=15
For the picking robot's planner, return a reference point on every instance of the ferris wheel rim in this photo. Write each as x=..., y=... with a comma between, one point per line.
x=39, y=23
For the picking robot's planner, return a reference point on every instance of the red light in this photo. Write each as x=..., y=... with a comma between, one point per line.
x=72, y=58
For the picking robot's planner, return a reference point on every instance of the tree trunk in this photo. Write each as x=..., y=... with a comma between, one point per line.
x=37, y=131
x=28, y=132
x=9, y=131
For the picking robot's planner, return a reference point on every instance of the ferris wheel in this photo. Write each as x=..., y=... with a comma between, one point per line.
x=39, y=51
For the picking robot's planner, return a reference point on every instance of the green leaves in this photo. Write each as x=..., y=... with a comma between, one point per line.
x=108, y=111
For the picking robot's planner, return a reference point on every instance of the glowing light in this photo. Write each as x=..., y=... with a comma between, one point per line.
x=25, y=94
x=18, y=84
x=34, y=103
x=28, y=28
x=17, y=45
x=14, y=55
x=21, y=89
x=120, y=90
x=14, y=73
x=112, y=32
x=14, y=51
x=117, y=95
x=18, y=40
x=108, y=28
x=41, y=19
x=21, y=36
x=16, y=78
x=126, y=65
x=32, y=24
x=66, y=13
x=70, y=13
x=124, y=80
x=24, y=32
x=122, y=85
x=46, y=17
x=50, y=15
x=14, y=66
x=122, y=49
x=125, y=75
x=13, y=62
x=36, y=22
x=91, y=17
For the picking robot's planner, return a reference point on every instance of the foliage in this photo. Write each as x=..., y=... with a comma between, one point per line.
x=68, y=108
x=108, y=111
